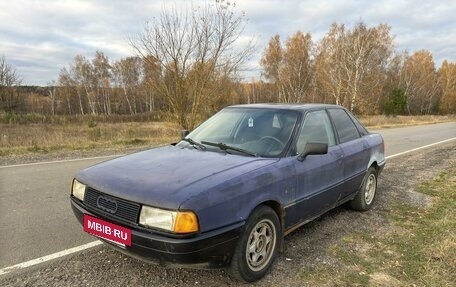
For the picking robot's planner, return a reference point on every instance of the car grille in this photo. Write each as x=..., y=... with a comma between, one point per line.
x=110, y=206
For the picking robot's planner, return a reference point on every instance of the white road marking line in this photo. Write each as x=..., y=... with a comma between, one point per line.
x=61, y=161
x=49, y=257
x=418, y=148
x=96, y=243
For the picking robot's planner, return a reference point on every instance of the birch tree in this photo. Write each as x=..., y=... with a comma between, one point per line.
x=127, y=75
x=351, y=63
x=420, y=82
x=81, y=74
x=100, y=77
x=195, y=49
x=290, y=69
x=447, y=73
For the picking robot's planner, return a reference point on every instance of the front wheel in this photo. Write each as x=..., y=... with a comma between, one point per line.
x=365, y=198
x=258, y=245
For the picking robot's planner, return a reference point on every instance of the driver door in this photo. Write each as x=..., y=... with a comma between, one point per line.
x=319, y=177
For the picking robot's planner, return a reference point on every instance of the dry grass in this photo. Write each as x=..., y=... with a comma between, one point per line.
x=45, y=137
x=419, y=248
x=382, y=121
x=36, y=134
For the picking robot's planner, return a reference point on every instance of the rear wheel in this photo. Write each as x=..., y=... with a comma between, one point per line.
x=258, y=245
x=365, y=198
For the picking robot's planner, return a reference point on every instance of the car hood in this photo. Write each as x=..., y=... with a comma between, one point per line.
x=168, y=176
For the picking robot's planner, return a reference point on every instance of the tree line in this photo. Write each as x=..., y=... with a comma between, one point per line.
x=358, y=68
x=188, y=65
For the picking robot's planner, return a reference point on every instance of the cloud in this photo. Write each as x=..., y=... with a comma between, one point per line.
x=40, y=37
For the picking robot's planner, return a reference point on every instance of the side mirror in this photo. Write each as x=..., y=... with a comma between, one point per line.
x=184, y=133
x=312, y=149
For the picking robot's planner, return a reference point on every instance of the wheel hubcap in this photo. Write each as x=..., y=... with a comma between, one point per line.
x=261, y=245
x=371, y=186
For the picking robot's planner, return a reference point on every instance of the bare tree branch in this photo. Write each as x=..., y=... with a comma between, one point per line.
x=196, y=51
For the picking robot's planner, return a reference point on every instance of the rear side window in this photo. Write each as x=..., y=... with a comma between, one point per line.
x=362, y=130
x=345, y=127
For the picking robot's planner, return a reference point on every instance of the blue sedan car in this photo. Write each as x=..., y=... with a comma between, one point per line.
x=229, y=191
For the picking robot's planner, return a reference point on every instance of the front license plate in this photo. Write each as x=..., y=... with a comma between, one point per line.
x=112, y=232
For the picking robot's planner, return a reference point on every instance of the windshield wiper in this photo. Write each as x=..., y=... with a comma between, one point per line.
x=193, y=143
x=226, y=147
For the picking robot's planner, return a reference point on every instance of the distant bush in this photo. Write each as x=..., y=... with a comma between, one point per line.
x=396, y=103
x=12, y=118
x=95, y=134
x=92, y=123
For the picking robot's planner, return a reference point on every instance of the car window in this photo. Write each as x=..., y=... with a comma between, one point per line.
x=222, y=125
x=316, y=129
x=264, y=132
x=346, y=129
x=362, y=130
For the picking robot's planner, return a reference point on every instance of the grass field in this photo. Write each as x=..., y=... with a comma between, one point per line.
x=418, y=248
x=32, y=134
x=19, y=139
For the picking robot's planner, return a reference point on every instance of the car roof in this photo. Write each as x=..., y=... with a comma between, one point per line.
x=300, y=107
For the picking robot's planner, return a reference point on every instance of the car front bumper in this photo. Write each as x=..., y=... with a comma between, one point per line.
x=208, y=250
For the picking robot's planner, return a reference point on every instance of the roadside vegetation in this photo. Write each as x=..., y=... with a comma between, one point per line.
x=40, y=134
x=418, y=248
x=382, y=121
x=35, y=134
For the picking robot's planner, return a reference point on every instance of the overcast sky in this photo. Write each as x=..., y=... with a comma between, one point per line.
x=40, y=37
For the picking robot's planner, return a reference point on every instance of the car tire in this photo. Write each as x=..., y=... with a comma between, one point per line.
x=366, y=195
x=258, y=245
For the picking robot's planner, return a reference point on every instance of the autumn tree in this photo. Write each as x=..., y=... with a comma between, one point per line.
x=100, y=71
x=196, y=51
x=256, y=92
x=9, y=81
x=419, y=80
x=392, y=77
x=447, y=73
x=52, y=92
x=127, y=74
x=69, y=94
x=271, y=62
x=152, y=76
x=81, y=76
x=91, y=81
x=290, y=68
x=350, y=65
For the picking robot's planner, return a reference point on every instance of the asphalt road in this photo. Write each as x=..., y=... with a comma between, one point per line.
x=402, y=139
x=36, y=218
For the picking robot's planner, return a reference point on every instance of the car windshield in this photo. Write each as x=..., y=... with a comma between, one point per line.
x=246, y=131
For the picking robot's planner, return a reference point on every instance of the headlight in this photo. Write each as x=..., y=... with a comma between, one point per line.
x=78, y=190
x=174, y=221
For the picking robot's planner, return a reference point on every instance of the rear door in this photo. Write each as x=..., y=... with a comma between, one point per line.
x=355, y=149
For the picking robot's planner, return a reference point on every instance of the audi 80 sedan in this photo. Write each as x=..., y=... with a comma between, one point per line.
x=227, y=193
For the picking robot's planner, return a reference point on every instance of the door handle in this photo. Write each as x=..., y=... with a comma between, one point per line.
x=339, y=158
